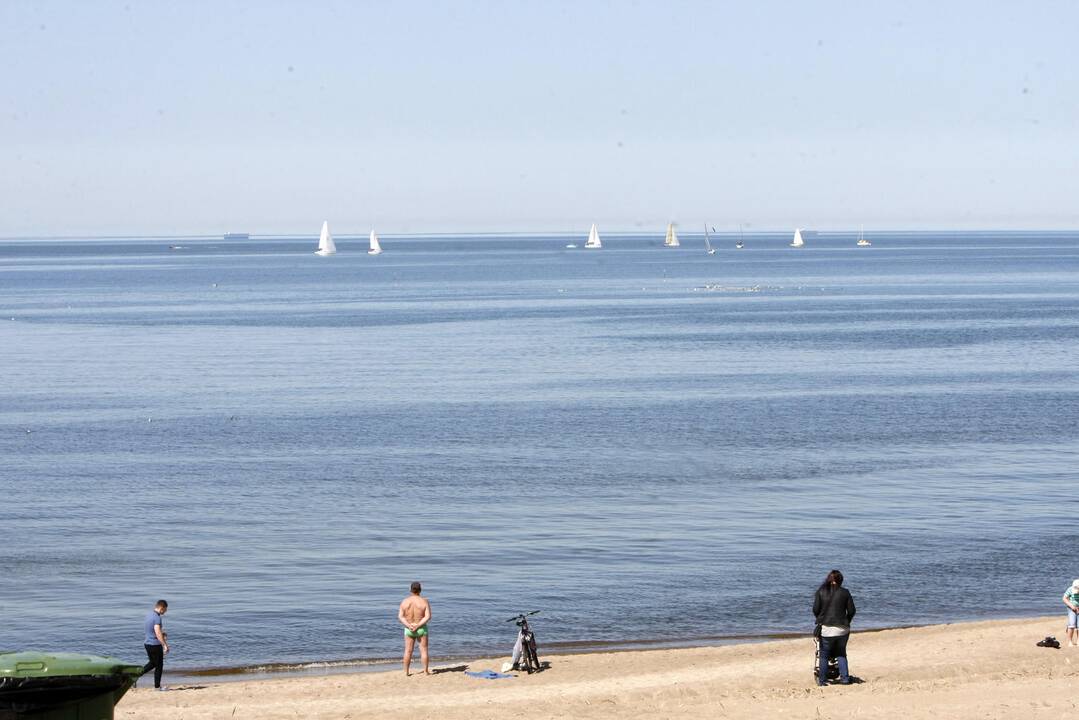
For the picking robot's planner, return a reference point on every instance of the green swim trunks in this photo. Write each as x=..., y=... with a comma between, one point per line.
x=417, y=633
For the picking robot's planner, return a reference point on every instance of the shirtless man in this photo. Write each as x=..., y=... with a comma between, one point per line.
x=414, y=614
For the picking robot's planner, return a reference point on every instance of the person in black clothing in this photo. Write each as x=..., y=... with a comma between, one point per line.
x=834, y=609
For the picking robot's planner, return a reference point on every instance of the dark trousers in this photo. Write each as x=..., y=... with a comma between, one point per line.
x=156, y=653
x=833, y=647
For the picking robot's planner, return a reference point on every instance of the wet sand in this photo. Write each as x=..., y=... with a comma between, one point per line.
x=969, y=670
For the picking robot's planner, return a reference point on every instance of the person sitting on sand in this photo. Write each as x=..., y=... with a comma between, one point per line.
x=1071, y=599
x=414, y=614
x=834, y=608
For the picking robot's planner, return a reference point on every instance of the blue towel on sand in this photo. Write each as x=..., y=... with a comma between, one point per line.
x=487, y=675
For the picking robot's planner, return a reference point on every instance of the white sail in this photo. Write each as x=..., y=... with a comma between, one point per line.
x=593, y=238
x=375, y=247
x=672, y=237
x=798, y=241
x=862, y=242
x=325, y=241
x=708, y=241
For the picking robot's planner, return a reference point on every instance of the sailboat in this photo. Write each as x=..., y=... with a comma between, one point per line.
x=376, y=249
x=862, y=242
x=325, y=241
x=672, y=237
x=739, y=245
x=798, y=241
x=593, y=242
x=707, y=242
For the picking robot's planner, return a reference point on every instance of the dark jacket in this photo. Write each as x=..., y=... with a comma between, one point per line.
x=833, y=606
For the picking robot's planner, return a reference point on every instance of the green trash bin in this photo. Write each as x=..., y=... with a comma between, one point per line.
x=62, y=686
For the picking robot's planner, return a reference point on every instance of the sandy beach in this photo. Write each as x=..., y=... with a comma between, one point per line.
x=969, y=670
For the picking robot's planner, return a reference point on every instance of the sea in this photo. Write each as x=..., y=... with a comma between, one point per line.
x=651, y=446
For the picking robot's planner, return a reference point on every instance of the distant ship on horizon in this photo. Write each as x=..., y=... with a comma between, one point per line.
x=237, y=236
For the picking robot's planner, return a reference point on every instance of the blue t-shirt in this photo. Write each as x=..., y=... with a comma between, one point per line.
x=152, y=619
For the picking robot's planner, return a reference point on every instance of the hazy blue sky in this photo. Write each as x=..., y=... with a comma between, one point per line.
x=192, y=117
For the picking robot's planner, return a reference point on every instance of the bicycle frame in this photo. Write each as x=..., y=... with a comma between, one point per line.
x=524, y=650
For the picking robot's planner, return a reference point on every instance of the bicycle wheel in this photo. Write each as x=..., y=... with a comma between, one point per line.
x=533, y=659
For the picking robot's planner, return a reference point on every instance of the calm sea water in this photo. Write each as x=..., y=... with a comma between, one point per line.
x=644, y=443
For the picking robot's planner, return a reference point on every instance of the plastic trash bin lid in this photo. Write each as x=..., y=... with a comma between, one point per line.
x=37, y=682
x=61, y=664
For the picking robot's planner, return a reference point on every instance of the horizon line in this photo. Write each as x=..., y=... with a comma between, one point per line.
x=539, y=233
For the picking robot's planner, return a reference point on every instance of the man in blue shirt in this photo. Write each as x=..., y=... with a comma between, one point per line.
x=155, y=643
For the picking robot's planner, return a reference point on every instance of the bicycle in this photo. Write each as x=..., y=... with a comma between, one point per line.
x=524, y=650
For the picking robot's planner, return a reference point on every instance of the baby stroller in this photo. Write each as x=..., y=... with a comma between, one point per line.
x=833, y=663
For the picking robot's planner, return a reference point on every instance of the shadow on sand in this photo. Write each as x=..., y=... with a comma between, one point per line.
x=452, y=669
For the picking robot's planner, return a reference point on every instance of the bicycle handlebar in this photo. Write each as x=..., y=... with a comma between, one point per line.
x=521, y=615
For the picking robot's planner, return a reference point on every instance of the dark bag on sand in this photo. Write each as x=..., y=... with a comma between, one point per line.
x=1049, y=642
x=816, y=630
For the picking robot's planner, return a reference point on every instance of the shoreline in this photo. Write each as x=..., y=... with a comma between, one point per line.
x=982, y=669
x=271, y=670
x=317, y=668
x=345, y=666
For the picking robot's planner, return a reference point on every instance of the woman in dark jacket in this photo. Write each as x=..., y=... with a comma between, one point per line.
x=834, y=609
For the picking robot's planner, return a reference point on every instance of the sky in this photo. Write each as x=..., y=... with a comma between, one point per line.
x=268, y=117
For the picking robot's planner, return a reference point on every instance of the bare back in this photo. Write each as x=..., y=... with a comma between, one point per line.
x=414, y=613
x=414, y=610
